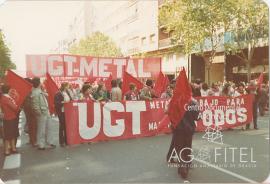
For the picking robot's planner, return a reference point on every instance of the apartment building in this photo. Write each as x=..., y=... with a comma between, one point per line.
x=81, y=26
x=133, y=25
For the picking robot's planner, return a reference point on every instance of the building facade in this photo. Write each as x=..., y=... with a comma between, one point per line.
x=133, y=26
x=81, y=26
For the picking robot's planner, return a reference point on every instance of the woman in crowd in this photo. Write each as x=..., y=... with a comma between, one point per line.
x=132, y=94
x=86, y=92
x=10, y=121
x=72, y=92
x=147, y=93
x=168, y=93
x=101, y=93
x=116, y=94
x=204, y=90
x=214, y=91
x=226, y=91
x=240, y=90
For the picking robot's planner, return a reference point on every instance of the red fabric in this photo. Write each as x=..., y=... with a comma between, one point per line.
x=92, y=79
x=20, y=88
x=9, y=108
x=87, y=122
x=161, y=84
x=51, y=89
x=127, y=79
x=108, y=83
x=181, y=96
x=260, y=81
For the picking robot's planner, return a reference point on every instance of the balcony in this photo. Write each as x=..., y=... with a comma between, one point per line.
x=133, y=51
x=164, y=43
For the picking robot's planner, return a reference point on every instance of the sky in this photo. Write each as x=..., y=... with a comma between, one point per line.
x=35, y=27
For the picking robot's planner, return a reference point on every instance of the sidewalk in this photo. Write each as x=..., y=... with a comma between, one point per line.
x=2, y=158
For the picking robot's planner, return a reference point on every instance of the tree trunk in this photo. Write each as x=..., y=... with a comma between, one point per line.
x=208, y=76
x=250, y=54
x=208, y=69
x=248, y=70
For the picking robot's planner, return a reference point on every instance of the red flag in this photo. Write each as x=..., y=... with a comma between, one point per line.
x=20, y=88
x=51, y=89
x=260, y=81
x=127, y=79
x=181, y=96
x=93, y=79
x=161, y=84
x=108, y=83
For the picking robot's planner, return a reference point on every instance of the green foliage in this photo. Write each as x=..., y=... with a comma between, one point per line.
x=249, y=27
x=5, y=61
x=197, y=24
x=249, y=30
x=200, y=25
x=98, y=45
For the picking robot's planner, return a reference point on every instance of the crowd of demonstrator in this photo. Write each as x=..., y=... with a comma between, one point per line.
x=38, y=117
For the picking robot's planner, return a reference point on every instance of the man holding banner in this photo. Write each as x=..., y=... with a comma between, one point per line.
x=60, y=98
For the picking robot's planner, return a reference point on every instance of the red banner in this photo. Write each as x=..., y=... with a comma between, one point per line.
x=62, y=65
x=92, y=122
x=224, y=112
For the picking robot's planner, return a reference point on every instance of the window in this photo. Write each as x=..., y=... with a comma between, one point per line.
x=133, y=42
x=143, y=41
x=152, y=38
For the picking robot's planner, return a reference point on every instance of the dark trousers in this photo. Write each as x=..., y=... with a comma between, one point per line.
x=181, y=139
x=255, y=115
x=62, y=129
x=262, y=106
x=31, y=121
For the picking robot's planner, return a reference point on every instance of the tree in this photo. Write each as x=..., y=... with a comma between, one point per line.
x=198, y=25
x=5, y=61
x=98, y=45
x=249, y=30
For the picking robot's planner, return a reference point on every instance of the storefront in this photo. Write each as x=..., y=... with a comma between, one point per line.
x=236, y=69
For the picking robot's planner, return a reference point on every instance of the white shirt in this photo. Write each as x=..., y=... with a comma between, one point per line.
x=66, y=98
x=204, y=92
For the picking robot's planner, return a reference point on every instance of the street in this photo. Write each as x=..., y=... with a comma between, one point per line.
x=120, y=75
x=140, y=160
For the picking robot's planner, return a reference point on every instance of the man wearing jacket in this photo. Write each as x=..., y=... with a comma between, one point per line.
x=41, y=110
x=60, y=98
x=182, y=140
